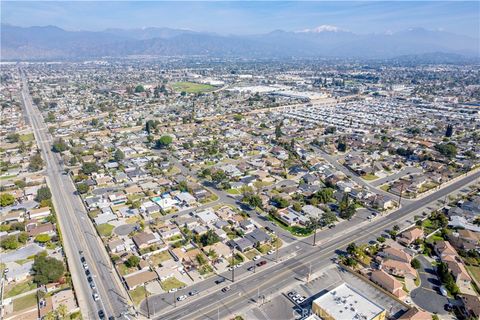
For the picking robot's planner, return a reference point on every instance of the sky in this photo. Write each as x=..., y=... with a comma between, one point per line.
x=248, y=17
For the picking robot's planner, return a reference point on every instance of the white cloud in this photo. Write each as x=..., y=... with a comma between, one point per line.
x=323, y=28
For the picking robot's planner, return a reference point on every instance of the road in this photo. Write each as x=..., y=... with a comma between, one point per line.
x=428, y=296
x=395, y=176
x=77, y=230
x=294, y=264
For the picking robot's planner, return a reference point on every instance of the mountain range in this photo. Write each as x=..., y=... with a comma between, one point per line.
x=51, y=42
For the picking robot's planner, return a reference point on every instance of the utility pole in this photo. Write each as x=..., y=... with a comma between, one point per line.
x=309, y=273
x=175, y=299
x=315, y=232
x=233, y=266
x=276, y=250
x=400, y=196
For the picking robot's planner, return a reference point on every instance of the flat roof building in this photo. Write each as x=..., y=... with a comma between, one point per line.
x=345, y=302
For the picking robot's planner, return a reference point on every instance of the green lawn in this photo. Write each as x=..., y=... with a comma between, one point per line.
x=138, y=295
x=233, y=191
x=25, y=302
x=105, y=229
x=264, y=248
x=475, y=272
x=27, y=137
x=160, y=257
x=295, y=230
x=192, y=87
x=385, y=187
x=20, y=288
x=124, y=270
x=251, y=253
x=171, y=283
x=369, y=177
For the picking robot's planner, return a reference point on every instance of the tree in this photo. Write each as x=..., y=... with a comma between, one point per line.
x=449, y=131
x=82, y=188
x=218, y=176
x=59, y=145
x=119, y=155
x=324, y=195
x=164, y=141
x=330, y=130
x=36, y=162
x=9, y=243
x=448, y=149
x=150, y=125
x=13, y=137
x=328, y=217
x=6, y=199
x=209, y=238
x=43, y=194
x=352, y=248
x=253, y=200
x=278, y=130
x=139, y=89
x=415, y=263
x=47, y=269
x=280, y=202
x=89, y=167
x=237, y=117
x=42, y=238
x=342, y=145
x=381, y=239
x=201, y=259
x=132, y=262
x=62, y=311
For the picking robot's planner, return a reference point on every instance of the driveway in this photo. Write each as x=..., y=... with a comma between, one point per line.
x=428, y=296
x=23, y=253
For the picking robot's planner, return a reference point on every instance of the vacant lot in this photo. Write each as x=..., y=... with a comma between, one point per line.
x=171, y=283
x=192, y=87
x=25, y=302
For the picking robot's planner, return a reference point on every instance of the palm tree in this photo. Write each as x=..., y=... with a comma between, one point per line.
x=312, y=224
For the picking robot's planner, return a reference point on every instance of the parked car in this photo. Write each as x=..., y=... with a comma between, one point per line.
x=261, y=263
x=101, y=314
x=218, y=281
x=95, y=296
x=193, y=293
x=271, y=252
x=256, y=258
x=182, y=297
x=173, y=290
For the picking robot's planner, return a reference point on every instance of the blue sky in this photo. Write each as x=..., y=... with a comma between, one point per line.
x=248, y=17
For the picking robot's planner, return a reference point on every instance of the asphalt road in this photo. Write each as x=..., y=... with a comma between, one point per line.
x=77, y=230
x=428, y=296
x=295, y=262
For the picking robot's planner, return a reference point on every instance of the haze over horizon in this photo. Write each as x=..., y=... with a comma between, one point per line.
x=255, y=17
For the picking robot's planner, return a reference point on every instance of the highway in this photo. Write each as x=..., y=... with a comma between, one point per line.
x=295, y=262
x=78, y=232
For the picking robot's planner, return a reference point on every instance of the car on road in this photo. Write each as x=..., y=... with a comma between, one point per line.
x=261, y=263
x=227, y=288
x=182, y=297
x=173, y=290
x=95, y=296
x=175, y=216
x=250, y=268
x=218, y=281
x=271, y=252
x=269, y=229
x=101, y=314
x=193, y=293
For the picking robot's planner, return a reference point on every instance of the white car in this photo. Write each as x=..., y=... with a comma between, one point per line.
x=173, y=290
x=85, y=266
x=95, y=296
x=271, y=251
x=256, y=258
x=181, y=298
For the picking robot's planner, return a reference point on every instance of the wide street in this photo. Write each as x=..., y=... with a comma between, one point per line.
x=294, y=263
x=77, y=230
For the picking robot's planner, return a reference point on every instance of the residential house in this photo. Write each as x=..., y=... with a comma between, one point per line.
x=389, y=283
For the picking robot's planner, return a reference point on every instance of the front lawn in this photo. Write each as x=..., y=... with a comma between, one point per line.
x=264, y=248
x=22, y=303
x=105, y=229
x=171, y=283
x=160, y=257
x=19, y=288
x=233, y=191
x=475, y=272
x=295, y=230
x=138, y=294
x=369, y=177
x=250, y=254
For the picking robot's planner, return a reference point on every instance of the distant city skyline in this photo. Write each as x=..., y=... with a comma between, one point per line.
x=249, y=17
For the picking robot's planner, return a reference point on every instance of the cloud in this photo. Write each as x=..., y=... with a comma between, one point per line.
x=323, y=28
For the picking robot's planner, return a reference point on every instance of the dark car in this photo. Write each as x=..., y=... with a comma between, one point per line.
x=193, y=293
x=261, y=263
x=111, y=318
x=218, y=281
x=101, y=314
x=175, y=216
x=82, y=259
x=268, y=229
x=87, y=272
x=89, y=279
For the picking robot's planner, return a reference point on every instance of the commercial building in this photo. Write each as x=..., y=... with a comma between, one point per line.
x=345, y=302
